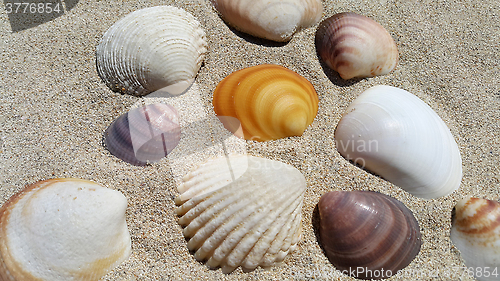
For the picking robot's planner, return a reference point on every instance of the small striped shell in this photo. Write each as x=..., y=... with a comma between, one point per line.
x=356, y=46
x=275, y=20
x=150, y=49
x=144, y=135
x=270, y=102
x=246, y=213
x=367, y=230
x=63, y=230
x=475, y=231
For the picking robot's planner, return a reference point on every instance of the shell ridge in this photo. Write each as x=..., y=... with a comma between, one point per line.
x=217, y=213
x=256, y=255
x=235, y=216
x=265, y=231
x=261, y=210
x=289, y=239
x=238, y=232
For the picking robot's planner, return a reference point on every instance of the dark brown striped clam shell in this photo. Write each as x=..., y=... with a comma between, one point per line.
x=356, y=46
x=367, y=235
x=144, y=135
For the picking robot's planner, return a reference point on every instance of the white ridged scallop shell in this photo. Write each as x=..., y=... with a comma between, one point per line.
x=150, y=49
x=275, y=20
x=63, y=229
x=244, y=214
x=394, y=134
x=475, y=231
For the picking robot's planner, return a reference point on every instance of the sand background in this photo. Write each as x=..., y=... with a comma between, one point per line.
x=54, y=109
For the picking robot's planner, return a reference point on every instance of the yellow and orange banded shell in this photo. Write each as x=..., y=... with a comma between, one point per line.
x=356, y=46
x=63, y=230
x=270, y=102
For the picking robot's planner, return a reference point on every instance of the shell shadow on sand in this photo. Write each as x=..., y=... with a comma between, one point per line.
x=51, y=9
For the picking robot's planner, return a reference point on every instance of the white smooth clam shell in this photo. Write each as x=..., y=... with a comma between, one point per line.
x=249, y=218
x=394, y=134
x=275, y=20
x=63, y=229
x=150, y=49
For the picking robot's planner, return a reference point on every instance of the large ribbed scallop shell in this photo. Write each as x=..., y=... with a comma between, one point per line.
x=150, y=49
x=356, y=46
x=475, y=231
x=246, y=213
x=144, y=135
x=367, y=230
x=394, y=134
x=63, y=229
x=270, y=101
x=275, y=20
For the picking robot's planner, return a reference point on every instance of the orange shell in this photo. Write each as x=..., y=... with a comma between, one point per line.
x=270, y=102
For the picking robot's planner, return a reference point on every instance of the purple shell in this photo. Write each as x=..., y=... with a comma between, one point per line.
x=144, y=135
x=366, y=234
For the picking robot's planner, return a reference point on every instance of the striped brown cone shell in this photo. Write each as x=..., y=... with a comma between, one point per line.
x=475, y=231
x=356, y=46
x=366, y=234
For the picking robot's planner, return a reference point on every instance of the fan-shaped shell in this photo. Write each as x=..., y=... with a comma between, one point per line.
x=145, y=134
x=356, y=46
x=275, y=20
x=150, y=49
x=246, y=213
x=270, y=101
x=367, y=235
x=62, y=229
x=475, y=231
x=394, y=134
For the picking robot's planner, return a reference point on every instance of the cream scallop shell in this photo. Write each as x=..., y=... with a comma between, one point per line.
x=150, y=49
x=62, y=229
x=475, y=231
x=246, y=213
x=275, y=20
x=394, y=134
x=356, y=46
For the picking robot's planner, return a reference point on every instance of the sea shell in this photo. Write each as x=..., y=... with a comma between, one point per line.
x=475, y=231
x=397, y=136
x=356, y=46
x=150, y=49
x=275, y=20
x=366, y=234
x=242, y=211
x=144, y=135
x=270, y=101
x=63, y=229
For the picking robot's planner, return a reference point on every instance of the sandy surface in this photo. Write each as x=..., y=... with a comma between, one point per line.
x=54, y=109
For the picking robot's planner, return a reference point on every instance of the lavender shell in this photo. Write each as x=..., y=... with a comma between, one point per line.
x=144, y=135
